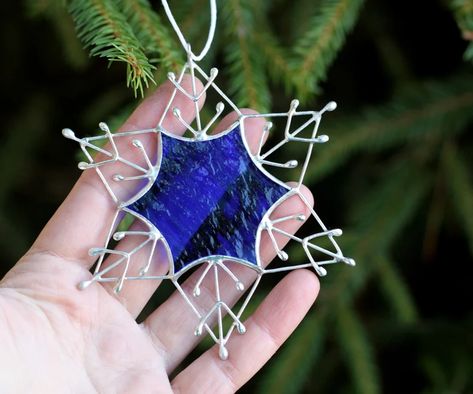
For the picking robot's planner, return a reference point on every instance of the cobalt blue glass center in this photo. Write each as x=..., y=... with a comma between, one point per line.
x=208, y=199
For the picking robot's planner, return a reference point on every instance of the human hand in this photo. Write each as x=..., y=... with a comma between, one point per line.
x=55, y=338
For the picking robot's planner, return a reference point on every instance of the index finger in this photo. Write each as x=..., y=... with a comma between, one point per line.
x=85, y=217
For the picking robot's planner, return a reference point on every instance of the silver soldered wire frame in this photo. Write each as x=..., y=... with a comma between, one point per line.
x=216, y=265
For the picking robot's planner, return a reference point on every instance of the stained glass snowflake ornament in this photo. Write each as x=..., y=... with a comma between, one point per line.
x=204, y=200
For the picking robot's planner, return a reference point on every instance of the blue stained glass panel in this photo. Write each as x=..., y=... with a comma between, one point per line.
x=208, y=199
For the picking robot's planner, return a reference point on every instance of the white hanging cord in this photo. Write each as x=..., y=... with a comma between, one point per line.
x=185, y=44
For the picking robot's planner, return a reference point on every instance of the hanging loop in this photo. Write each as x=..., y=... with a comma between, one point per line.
x=184, y=43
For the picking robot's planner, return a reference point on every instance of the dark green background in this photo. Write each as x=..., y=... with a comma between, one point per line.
x=395, y=45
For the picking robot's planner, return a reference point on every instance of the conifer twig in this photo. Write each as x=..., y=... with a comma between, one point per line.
x=245, y=64
x=318, y=47
x=152, y=33
x=459, y=181
x=276, y=57
x=395, y=291
x=102, y=27
x=358, y=351
x=416, y=114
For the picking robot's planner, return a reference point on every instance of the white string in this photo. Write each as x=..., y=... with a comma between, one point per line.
x=185, y=44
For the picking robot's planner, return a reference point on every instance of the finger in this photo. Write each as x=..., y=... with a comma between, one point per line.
x=267, y=329
x=85, y=217
x=176, y=313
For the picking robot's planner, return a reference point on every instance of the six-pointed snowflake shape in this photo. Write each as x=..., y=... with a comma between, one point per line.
x=205, y=200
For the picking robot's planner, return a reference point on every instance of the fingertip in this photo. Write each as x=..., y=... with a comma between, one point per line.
x=305, y=283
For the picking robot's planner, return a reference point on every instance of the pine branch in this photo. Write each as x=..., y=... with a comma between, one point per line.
x=104, y=29
x=463, y=11
x=460, y=184
x=152, y=33
x=378, y=221
x=245, y=63
x=395, y=291
x=302, y=12
x=294, y=363
x=415, y=115
x=381, y=217
x=319, y=46
x=276, y=57
x=360, y=359
x=386, y=209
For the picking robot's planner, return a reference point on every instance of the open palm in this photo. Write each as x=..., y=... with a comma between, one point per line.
x=57, y=338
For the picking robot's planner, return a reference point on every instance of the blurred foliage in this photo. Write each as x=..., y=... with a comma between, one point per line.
x=463, y=10
x=396, y=175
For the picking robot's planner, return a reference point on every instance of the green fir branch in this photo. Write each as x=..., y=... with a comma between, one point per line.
x=319, y=46
x=385, y=210
x=459, y=181
x=275, y=56
x=392, y=205
x=442, y=107
x=396, y=291
x=245, y=64
x=359, y=355
x=300, y=17
x=104, y=29
x=152, y=33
